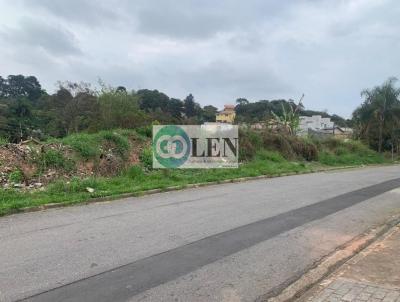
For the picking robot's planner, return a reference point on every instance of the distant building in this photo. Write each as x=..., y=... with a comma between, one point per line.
x=319, y=126
x=227, y=115
x=315, y=122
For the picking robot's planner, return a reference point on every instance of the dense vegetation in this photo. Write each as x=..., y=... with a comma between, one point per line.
x=26, y=110
x=377, y=119
x=96, y=143
x=261, y=153
x=252, y=112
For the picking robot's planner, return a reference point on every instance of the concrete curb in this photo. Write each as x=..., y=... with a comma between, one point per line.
x=176, y=188
x=294, y=289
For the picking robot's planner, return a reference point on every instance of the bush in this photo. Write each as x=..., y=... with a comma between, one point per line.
x=3, y=141
x=146, y=131
x=341, y=151
x=338, y=152
x=246, y=149
x=146, y=158
x=303, y=148
x=249, y=143
x=121, y=143
x=16, y=176
x=84, y=144
x=277, y=142
x=134, y=172
x=54, y=159
x=332, y=143
x=89, y=146
x=271, y=156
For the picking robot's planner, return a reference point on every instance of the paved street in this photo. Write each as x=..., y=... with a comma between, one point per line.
x=231, y=242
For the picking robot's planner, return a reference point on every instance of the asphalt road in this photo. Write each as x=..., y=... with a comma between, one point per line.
x=232, y=242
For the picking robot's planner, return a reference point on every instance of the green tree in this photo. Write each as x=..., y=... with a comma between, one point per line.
x=119, y=109
x=376, y=118
x=73, y=108
x=19, y=86
x=209, y=113
x=175, y=108
x=289, y=120
x=191, y=108
x=150, y=100
x=242, y=101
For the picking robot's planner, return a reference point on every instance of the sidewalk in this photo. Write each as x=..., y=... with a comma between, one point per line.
x=371, y=276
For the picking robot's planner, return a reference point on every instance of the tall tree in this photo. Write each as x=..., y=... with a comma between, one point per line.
x=381, y=106
x=191, y=108
x=19, y=86
x=150, y=100
x=175, y=108
x=209, y=113
x=119, y=109
x=242, y=101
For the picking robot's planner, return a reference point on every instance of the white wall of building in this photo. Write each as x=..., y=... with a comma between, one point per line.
x=315, y=122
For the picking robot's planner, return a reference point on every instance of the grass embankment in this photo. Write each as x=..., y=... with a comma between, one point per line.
x=262, y=154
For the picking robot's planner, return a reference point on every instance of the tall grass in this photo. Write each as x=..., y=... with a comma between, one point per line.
x=90, y=146
x=3, y=141
x=333, y=152
x=136, y=179
x=261, y=153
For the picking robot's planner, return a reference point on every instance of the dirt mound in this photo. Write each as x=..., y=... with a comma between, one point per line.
x=34, y=164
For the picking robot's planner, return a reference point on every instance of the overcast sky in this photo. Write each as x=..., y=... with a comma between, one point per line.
x=218, y=50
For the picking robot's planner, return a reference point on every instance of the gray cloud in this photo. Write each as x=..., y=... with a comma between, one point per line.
x=235, y=78
x=36, y=34
x=201, y=19
x=82, y=11
x=218, y=50
x=179, y=24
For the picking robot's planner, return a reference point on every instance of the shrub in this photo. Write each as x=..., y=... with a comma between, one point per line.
x=341, y=151
x=303, y=148
x=3, y=141
x=134, y=172
x=277, y=142
x=249, y=143
x=146, y=158
x=54, y=159
x=246, y=149
x=121, y=143
x=16, y=176
x=89, y=146
x=271, y=156
x=332, y=143
x=84, y=144
x=146, y=131
x=336, y=152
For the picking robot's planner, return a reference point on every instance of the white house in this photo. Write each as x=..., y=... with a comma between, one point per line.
x=315, y=122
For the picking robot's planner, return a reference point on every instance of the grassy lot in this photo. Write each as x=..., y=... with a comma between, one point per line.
x=139, y=178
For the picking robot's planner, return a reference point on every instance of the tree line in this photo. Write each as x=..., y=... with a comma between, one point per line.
x=264, y=110
x=27, y=110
